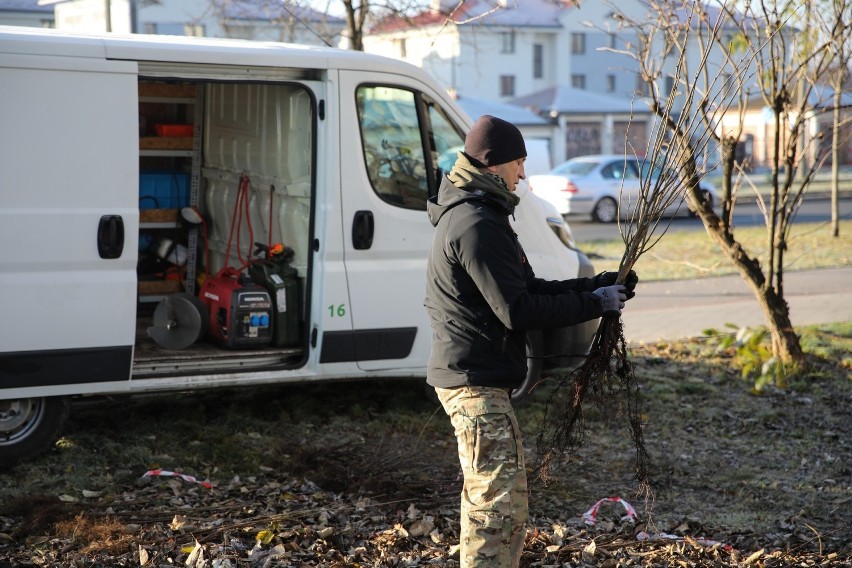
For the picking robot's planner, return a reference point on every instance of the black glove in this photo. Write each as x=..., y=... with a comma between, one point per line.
x=608, y=279
x=612, y=298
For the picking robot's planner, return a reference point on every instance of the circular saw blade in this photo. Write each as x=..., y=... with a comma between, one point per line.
x=179, y=321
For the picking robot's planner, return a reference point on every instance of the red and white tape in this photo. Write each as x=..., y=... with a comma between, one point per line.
x=188, y=478
x=591, y=516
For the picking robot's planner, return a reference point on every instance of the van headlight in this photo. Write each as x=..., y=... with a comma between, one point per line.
x=562, y=232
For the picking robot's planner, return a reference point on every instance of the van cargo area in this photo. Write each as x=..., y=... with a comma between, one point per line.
x=225, y=183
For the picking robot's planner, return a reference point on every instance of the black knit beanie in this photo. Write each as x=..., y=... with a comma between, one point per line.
x=493, y=141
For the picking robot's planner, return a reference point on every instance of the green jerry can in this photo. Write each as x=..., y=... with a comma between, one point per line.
x=282, y=282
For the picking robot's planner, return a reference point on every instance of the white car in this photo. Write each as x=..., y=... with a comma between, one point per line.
x=603, y=186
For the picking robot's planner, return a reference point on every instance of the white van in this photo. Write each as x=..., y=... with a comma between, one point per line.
x=138, y=174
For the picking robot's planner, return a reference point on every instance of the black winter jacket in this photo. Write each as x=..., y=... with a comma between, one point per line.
x=482, y=294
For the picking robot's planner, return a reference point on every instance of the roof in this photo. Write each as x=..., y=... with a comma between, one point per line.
x=820, y=96
x=515, y=14
x=563, y=99
x=273, y=10
x=24, y=6
x=518, y=116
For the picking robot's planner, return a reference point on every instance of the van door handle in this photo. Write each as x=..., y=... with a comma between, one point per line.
x=111, y=236
x=362, y=230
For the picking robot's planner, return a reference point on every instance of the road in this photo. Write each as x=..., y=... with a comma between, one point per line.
x=676, y=309
x=745, y=215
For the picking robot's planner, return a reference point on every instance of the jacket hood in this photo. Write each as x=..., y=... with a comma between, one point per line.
x=448, y=197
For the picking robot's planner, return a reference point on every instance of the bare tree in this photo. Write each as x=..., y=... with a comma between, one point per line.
x=725, y=60
x=359, y=15
x=831, y=12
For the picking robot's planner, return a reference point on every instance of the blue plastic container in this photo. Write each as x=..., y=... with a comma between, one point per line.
x=163, y=190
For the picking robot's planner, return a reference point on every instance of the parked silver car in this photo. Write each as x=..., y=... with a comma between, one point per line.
x=604, y=186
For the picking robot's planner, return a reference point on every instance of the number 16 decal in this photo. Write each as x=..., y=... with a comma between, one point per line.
x=338, y=310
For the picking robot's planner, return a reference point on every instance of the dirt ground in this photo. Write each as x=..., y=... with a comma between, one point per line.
x=366, y=474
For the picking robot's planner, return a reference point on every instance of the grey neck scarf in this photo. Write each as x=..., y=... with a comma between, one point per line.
x=465, y=175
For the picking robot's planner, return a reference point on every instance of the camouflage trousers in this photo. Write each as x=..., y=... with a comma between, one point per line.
x=494, y=507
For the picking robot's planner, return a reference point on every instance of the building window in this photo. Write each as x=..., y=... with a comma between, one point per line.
x=610, y=83
x=670, y=84
x=613, y=41
x=578, y=43
x=642, y=87
x=238, y=31
x=578, y=81
x=401, y=48
x=538, y=61
x=507, y=85
x=508, y=44
x=193, y=30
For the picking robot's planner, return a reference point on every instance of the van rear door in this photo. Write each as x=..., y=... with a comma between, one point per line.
x=68, y=218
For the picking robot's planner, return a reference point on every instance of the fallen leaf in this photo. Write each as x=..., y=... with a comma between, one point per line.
x=265, y=537
x=421, y=527
x=754, y=556
x=178, y=522
x=196, y=557
x=326, y=532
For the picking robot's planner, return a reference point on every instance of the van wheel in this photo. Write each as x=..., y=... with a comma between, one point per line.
x=535, y=349
x=28, y=426
x=605, y=211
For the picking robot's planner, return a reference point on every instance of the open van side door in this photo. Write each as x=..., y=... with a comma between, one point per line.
x=68, y=220
x=388, y=154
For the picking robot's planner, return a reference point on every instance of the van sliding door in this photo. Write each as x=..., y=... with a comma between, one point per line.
x=68, y=224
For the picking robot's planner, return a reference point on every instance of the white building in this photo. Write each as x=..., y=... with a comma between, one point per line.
x=269, y=20
x=591, y=123
x=499, y=51
x=25, y=13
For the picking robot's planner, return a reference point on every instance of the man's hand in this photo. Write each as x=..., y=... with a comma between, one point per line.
x=612, y=298
x=608, y=279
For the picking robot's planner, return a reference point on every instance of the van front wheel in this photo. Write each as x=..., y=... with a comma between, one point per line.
x=29, y=425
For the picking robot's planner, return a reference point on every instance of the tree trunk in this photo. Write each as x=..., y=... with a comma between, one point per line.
x=785, y=342
x=355, y=23
x=835, y=156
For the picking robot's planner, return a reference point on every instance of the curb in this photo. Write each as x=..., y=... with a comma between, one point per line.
x=808, y=196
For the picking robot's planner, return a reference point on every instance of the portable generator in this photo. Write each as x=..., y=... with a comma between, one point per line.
x=240, y=312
